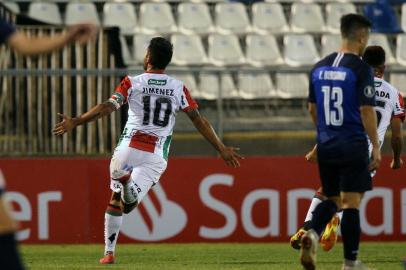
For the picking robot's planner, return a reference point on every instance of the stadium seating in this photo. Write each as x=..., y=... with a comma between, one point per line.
x=269, y=18
x=334, y=12
x=262, y=50
x=383, y=18
x=403, y=17
x=306, y=17
x=140, y=44
x=255, y=85
x=401, y=49
x=81, y=12
x=188, y=50
x=399, y=81
x=210, y=86
x=47, y=12
x=232, y=18
x=292, y=85
x=225, y=50
x=125, y=52
x=300, y=50
x=13, y=6
x=190, y=82
x=120, y=14
x=329, y=44
x=156, y=18
x=194, y=18
x=381, y=40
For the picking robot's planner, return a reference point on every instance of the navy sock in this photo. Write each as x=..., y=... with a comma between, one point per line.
x=350, y=232
x=9, y=256
x=322, y=215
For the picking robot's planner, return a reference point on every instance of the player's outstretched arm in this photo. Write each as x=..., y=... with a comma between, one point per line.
x=228, y=154
x=45, y=44
x=396, y=143
x=311, y=156
x=68, y=123
x=369, y=121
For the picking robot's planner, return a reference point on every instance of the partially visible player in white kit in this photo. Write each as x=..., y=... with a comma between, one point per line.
x=141, y=156
x=390, y=112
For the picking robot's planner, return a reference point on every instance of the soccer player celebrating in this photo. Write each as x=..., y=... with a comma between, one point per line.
x=141, y=155
x=390, y=112
x=9, y=257
x=341, y=103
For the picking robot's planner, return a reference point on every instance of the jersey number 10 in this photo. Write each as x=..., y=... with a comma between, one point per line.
x=157, y=121
x=334, y=114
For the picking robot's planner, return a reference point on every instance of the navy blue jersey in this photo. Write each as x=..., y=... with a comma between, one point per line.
x=6, y=30
x=339, y=85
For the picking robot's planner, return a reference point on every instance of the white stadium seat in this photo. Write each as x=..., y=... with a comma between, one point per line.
x=292, y=85
x=125, y=51
x=232, y=18
x=45, y=11
x=401, y=49
x=306, y=17
x=381, y=40
x=255, y=85
x=140, y=45
x=269, y=18
x=81, y=12
x=262, y=50
x=225, y=50
x=300, y=50
x=194, y=18
x=334, y=12
x=13, y=6
x=156, y=18
x=189, y=81
x=188, y=50
x=330, y=43
x=121, y=14
x=209, y=86
x=403, y=18
x=399, y=81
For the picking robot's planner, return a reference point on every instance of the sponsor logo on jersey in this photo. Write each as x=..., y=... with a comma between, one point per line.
x=382, y=94
x=160, y=219
x=156, y=82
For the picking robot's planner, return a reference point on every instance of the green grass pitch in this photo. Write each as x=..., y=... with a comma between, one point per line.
x=382, y=256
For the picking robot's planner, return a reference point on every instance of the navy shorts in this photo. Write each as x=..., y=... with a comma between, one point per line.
x=345, y=175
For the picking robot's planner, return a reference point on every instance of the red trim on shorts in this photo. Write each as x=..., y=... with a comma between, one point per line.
x=143, y=142
x=190, y=100
x=402, y=105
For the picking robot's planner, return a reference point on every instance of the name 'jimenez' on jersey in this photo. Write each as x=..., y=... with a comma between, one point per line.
x=339, y=84
x=154, y=100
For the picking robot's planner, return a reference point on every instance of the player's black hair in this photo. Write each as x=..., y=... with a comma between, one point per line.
x=160, y=52
x=351, y=24
x=374, y=56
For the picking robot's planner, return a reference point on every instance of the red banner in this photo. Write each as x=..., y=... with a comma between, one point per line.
x=197, y=200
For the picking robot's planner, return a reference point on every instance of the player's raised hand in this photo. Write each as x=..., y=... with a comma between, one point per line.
x=66, y=125
x=375, y=159
x=396, y=164
x=83, y=32
x=230, y=156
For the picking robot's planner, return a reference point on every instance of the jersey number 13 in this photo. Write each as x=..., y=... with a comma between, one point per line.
x=334, y=114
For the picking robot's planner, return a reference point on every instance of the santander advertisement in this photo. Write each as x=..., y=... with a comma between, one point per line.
x=197, y=200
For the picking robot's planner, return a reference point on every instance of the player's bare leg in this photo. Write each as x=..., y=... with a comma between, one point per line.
x=295, y=240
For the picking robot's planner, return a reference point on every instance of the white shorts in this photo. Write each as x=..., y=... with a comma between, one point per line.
x=146, y=168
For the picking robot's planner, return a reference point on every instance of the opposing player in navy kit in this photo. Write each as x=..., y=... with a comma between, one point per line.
x=341, y=103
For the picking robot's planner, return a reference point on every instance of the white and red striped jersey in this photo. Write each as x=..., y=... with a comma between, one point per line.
x=154, y=100
x=389, y=104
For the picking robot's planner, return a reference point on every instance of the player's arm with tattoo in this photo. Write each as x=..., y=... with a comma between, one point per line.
x=228, y=154
x=69, y=123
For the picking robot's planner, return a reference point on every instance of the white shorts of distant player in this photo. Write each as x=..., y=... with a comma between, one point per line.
x=146, y=169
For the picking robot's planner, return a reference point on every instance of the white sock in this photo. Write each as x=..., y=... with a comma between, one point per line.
x=129, y=193
x=313, y=205
x=112, y=226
